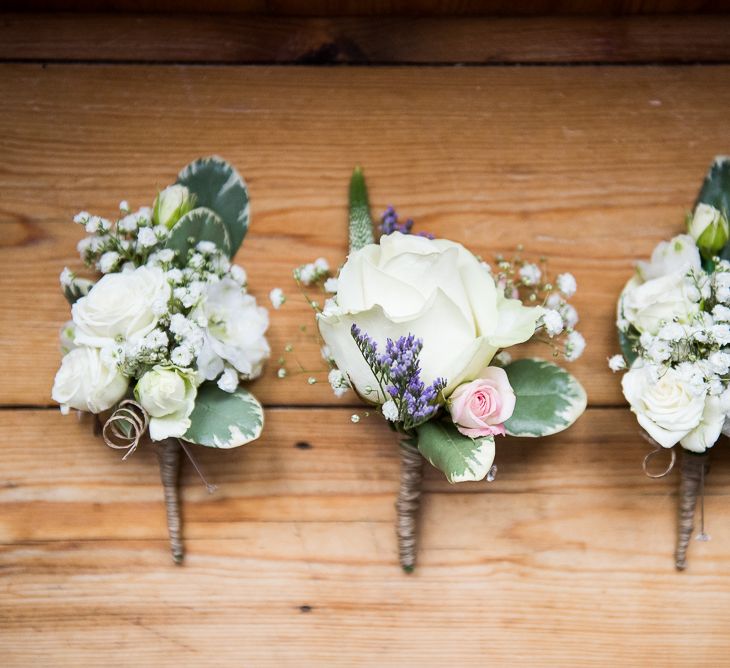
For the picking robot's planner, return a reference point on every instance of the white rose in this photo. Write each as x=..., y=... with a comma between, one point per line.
x=235, y=332
x=433, y=289
x=122, y=306
x=677, y=254
x=168, y=396
x=709, y=228
x=172, y=204
x=671, y=408
x=86, y=382
x=647, y=306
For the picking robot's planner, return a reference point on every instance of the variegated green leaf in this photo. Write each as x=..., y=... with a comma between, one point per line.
x=715, y=189
x=361, y=225
x=224, y=420
x=200, y=224
x=459, y=457
x=549, y=399
x=219, y=187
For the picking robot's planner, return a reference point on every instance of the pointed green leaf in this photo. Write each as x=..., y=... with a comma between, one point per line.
x=716, y=186
x=197, y=225
x=224, y=420
x=219, y=187
x=361, y=225
x=627, y=340
x=459, y=457
x=549, y=399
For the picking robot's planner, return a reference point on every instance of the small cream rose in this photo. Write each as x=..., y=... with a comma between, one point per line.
x=480, y=407
x=168, y=395
x=87, y=383
x=171, y=205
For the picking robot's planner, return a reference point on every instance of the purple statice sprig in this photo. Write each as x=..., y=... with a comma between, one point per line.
x=398, y=372
x=390, y=223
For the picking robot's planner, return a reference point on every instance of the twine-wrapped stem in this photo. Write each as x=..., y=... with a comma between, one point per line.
x=168, y=454
x=409, y=500
x=692, y=478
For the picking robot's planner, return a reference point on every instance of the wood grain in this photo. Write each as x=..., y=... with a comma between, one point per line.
x=590, y=167
x=363, y=40
x=564, y=560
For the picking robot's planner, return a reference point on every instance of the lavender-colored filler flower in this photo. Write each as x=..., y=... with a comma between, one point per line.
x=398, y=373
x=390, y=223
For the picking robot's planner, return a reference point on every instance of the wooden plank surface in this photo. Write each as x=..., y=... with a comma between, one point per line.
x=565, y=559
x=362, y=40
x=590, y=167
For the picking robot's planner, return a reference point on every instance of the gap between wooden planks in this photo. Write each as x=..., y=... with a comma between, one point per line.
x=590, y=167
x=564, y=560
x=363, y=40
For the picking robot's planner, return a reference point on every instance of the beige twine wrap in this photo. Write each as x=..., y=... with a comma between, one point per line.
x=693, y=471
x=168, y=454
x=409, y=498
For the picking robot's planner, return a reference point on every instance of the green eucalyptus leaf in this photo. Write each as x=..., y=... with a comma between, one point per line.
x=197, y=225
x=627, y=341
x=219, y=187
x=361, y=225
x=224, y=419
x=76, y=289
x=715, y=189
x=549, y=399
x=459, y=457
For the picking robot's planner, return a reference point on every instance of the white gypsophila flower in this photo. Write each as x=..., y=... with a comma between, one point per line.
x=306, y=273
x=574, y=346
x=124, y=206
x=93, y=224
x=554, y=301
x=503, y=358
x=692, y=374
x=146, y=237
x=174, y=275
x=157, y=338
x=228, y=382
x=338, y=382
x=164, y=256
x=206, y=247
x=196, y=261
x=390, y=410
x=331, y=308
x=81, y=217
x=553, y=322
x=721, y=284
x=321, y=265
x=238, y=274
x=616, y=363
x=277, y=298
x=182, y=356
x=530, y=274
x=715, y=387
x=330, y=285
x=622, y=324
x=721, y=313
x=721, y=334
x=570, y=315
x=281, y=373
x=659, y=351
x=66, y=277
x=567, y=284
x=719, y=362
x=672, y=331
x=108, y=261
x=83, y=246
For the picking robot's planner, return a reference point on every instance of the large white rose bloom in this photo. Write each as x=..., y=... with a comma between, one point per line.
x=673, y=409
x=86, y=382
x=168, y=395
x=661, y=290
x=235, y=332
x=434, y=289
x=123, y=305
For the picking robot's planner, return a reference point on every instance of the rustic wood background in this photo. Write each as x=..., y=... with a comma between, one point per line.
x=590, y=157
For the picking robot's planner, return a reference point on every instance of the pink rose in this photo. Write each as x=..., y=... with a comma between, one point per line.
x=480, y=408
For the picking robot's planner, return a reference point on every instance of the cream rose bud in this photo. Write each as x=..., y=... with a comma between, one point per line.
x=709, y=228
x=671, y=407
x=172, y=204
x=481, y=407
x=235, y=332
x=121, y=306
x=434, y=289
x=87, y=383
x=168, y=395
